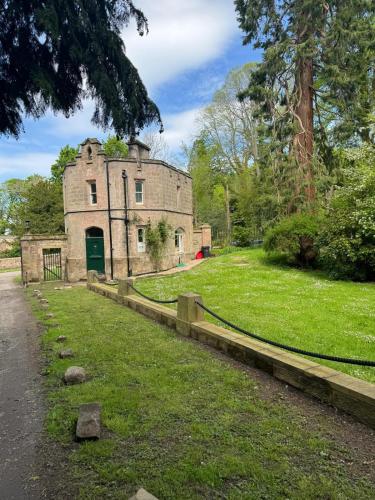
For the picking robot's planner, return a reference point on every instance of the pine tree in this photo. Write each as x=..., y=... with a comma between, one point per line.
x=54, y=53
x=316, y=79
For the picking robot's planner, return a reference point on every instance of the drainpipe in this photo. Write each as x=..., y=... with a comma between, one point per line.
x=109, y=217
x=126, y=220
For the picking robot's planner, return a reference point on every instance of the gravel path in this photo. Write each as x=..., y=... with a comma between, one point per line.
x=20, y=394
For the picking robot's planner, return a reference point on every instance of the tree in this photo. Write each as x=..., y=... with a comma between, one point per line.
x=114, y=147
x=316, y=79
x=67, y=154
x=53, y=54
x=347, y=242
x=229, y=124
x=159, y=148
x=41, y=203
x=10, y=197
x=229, y=132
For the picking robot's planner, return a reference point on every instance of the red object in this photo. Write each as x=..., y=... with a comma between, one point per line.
x=199, y=255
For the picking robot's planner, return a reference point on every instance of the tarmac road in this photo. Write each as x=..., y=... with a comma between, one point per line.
x=21, y=408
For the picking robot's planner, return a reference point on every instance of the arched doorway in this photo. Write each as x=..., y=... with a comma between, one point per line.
x=95, y=250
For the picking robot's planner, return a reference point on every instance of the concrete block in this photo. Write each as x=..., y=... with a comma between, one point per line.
x=88, y=424
x=143, y=495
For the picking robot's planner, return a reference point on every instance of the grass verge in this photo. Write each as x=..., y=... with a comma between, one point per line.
x=304, y=309
x=178, y=421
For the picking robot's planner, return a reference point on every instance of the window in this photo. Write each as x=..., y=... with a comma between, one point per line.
x=89, y=153
x=178, y=196
x=93, y=196
x=178, y=240
x=139, y=192
x=141, y=245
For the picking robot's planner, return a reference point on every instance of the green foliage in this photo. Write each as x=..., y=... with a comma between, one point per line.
x=208, y=190
x=67, y=154
x=337, y=36
x=295, y=237
x=114, y=147
x=347, y=243
x=14, y=251
x=41, y=203
x=242, y=236
x=67, y=51
x=156, y=241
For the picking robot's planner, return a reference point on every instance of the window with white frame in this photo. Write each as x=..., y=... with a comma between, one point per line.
x=93, y=194
x=139, y=192
x=178, y=240
x=141, y=239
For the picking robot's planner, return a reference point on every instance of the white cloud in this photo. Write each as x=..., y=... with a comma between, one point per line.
x=25, y=164
x=183, y=36
x=180, y=127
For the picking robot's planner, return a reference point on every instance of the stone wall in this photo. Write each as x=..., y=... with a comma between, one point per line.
x=11, y=263
x=202, y=238
x=6, y=242
x=32, y=246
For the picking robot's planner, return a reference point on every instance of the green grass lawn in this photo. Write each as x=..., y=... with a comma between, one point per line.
x=10, y=270
x=178, y=421
x=300, y=308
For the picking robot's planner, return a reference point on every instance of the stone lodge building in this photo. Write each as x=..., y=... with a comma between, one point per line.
x=107, y=206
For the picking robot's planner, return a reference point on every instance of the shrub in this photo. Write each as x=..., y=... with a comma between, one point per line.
x=14, y=251
x=156, y=241
x=347, y=243
x=242, y=236
x=114, y=147
x=295, y=238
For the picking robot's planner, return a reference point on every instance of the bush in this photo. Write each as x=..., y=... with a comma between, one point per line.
x=295, y=238
x=156, y=241
x=242, y=236
x=347, y=243
x=14, y=251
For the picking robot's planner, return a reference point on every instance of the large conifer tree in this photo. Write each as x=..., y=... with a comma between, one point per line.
x=316, y=80
x=53, y=53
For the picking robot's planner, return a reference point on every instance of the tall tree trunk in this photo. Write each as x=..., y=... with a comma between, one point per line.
x=304, y=138
x=227, y=212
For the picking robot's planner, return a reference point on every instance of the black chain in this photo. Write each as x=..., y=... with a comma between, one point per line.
x=172, y=301
x=360, y=362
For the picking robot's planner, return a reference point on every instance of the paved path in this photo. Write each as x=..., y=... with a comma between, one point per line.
x=20, y=395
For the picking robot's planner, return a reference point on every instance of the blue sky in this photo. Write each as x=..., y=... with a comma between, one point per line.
x=183, y=60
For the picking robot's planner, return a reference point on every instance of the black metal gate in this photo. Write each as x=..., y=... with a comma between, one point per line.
x=52, y=264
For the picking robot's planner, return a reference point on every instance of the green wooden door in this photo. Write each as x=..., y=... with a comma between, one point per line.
x=95, y=254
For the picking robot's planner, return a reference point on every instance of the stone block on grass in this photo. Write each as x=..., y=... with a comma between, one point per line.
x=142, y=494
x=61, y=338
x=75, y=375
x=67, y=353
x=88, y=424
